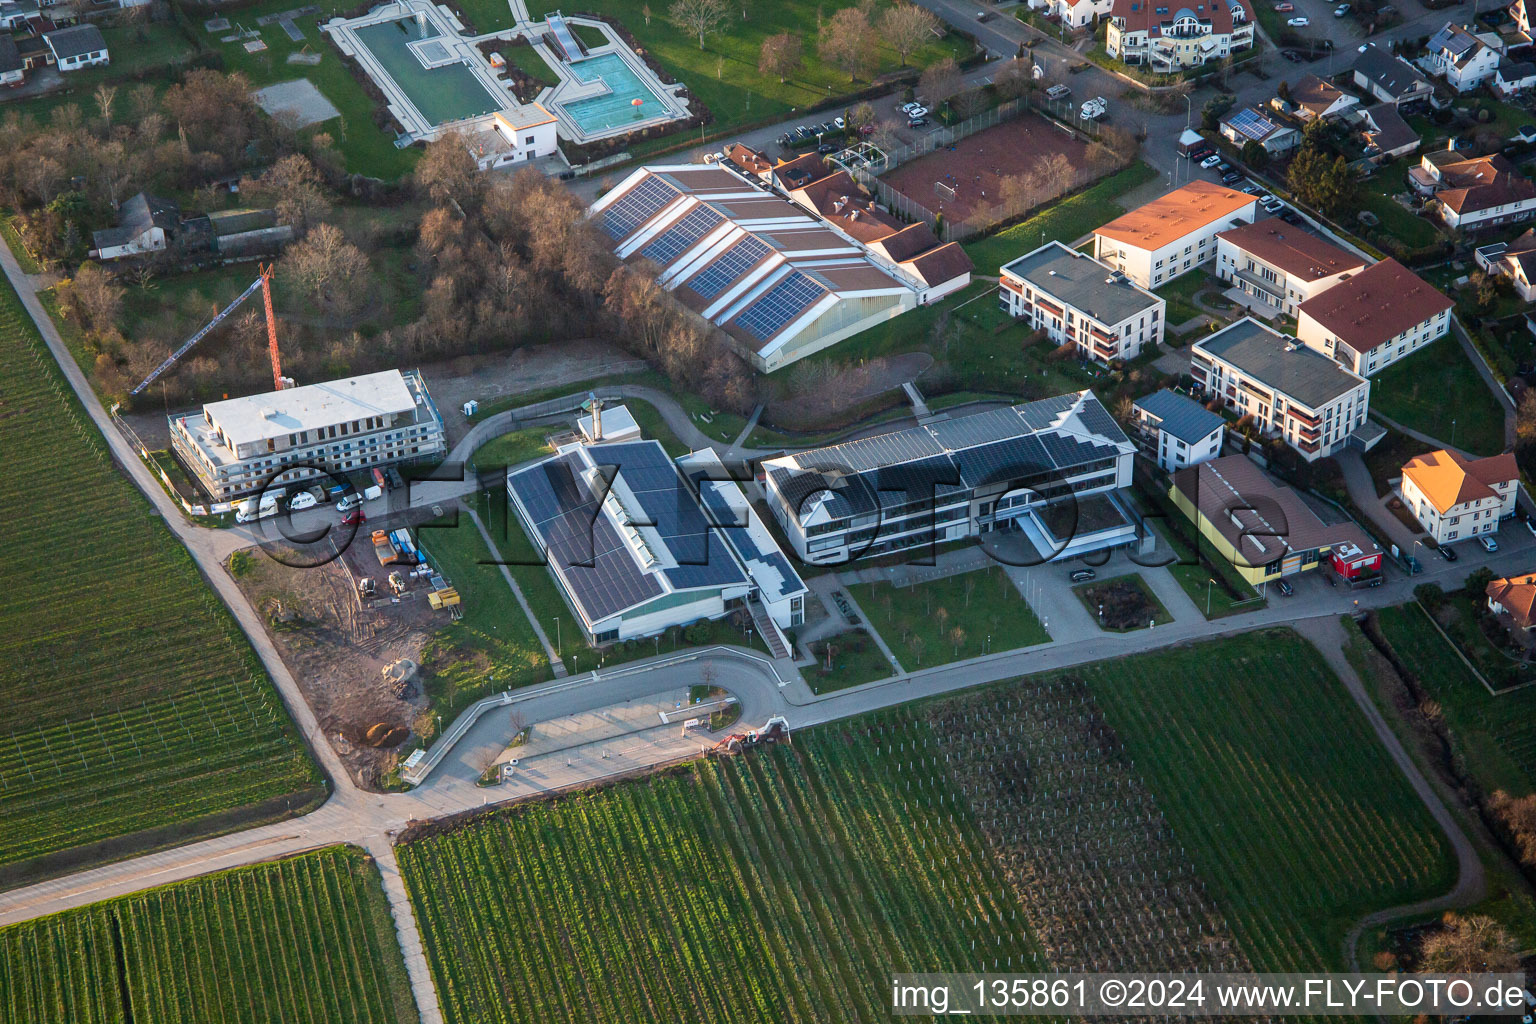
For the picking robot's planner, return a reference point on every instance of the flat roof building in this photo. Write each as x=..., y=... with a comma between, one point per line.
x=1017, y=468
x=1075, y=298
x=241, y=446
x=1170, y=236
x=1289, y=390
x=1374, y=318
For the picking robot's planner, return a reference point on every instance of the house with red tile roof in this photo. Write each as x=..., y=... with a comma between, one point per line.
x=1474, y=192
x=1171, y=36
x=1172, y=235
x=1374, y=318
x=1454, y=497
x=1281, y=265
x=1514, y=596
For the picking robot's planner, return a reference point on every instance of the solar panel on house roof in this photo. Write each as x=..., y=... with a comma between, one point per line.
x=1251, y=124
x=779, y=305
x=637, y=206
x=728, y=267
x=1097, y=419
x=672, y=243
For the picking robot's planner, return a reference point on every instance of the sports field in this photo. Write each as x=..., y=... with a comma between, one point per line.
x=975, y=166
x=309, y=939
x=132, y=700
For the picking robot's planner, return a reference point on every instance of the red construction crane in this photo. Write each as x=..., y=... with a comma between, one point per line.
x=264, y=282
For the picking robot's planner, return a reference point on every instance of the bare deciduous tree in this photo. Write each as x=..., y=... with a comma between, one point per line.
x=940, y=81
x=906, y=27
x=448, y=171
x=106, y=96
x=781, y=55
x=701, y=18
x=1469, y=944
x=332, y=270
x=847, y=42
x=1014, y=78
x=293, y=187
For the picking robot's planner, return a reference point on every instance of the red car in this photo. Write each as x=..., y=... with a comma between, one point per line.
x=354, y=518
x=1285, y=8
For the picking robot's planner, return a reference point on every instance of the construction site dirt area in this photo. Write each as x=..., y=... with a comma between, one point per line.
x=357, y=658
x=974, y=167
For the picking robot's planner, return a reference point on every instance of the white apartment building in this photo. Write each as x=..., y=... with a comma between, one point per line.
x=1073, y=297
x=1454, y=498
x=241, y=446
x=1173, y=37
x=1049, y=469
x=1374, y=318
x=1155, y=243
x=1280, y=265
x=1181, y=431
x=1289, y=390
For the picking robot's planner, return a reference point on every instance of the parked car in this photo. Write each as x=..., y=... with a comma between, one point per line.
x=1298, y=22
x=356, y=517
x=1252, y=189
x=1273, y=206
x=1285, y=8
x=917, y=122
x=1058, y=92
x=826, y=147
x=918, y=111
x=1224, y=168
x=1290, y=216
x=866, y=130
x=349, y=502
x=1286, y=590
x=1448, y=553
x=1489, y=544
x=841, y=124
x=907, y=108
x=301, y=501
x=1292, y=56
x=1342, y=10
x=1201, y=152
x=1414, y=565
x=1210, y=161
x=983, y=15
x=1083, y=575
x=1231, y=178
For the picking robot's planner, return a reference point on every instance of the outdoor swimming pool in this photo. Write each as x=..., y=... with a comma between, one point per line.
x=450, y=92
x=617, y=108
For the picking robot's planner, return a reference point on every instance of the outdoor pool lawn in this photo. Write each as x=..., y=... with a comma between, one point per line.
x=723, y=74
x=949, y=619
x=1437, y=391
x=450, y=92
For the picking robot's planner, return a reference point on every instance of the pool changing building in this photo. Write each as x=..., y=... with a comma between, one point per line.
x=240, y=446
x=638, y=544
x=1050, y=469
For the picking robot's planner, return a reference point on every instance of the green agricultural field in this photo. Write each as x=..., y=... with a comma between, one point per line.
x=1437, y=391
x=304, y=939
x=724, y=72
x=1495, y=736
x=785, y=885
x=1274, y=784
x=134, y=702
x=920, y=622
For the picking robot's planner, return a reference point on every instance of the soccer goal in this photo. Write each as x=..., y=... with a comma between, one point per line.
x=943, y=191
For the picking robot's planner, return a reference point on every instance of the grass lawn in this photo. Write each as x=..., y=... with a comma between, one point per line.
x=856, y=659
x=530, y=63
x=1376, y=196
x=1436, y=387
x=1459, y=614
x=1122, y=604
x=1385, y=461
x=489, y=16
x=1494, y=736
x=724, y=72
x=1195, y=567
x=18, y=248
x=948, y=619
x=512, y=449
x=305, y=940
x=1275, y=786
x=1065, y=221
x=653, y=426
x=367, y=149
x=1180, y=293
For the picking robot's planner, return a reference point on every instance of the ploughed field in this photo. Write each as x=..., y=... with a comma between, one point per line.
x=1222, y=806
x=133, y=701
x=308, y=939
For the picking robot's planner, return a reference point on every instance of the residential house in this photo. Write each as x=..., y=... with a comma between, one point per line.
x=1182, y=432
x=1315, y=98
x=243, y=446
x=145, y=224
x=1051, y=470
x=1265, y=530
x=1466, y=61
x=638, y=544
x=511, y=136
x=12, y=68
x=1454, y=497
x=1074, y=14
x=1374, y=318
x=1513, y=78
x=1310, y=401
x=1170, y=236
x=1390, y=78
x=1386, y=134
x=1516, y=260
x=14, y=16
x=1522, y=18
x=1281, y=265
x=1250, y=124
x=1177, y=36
x=1514, y=596
x=1471, y=193
x=1075, y=298
x=76, y=47
x=782, y=273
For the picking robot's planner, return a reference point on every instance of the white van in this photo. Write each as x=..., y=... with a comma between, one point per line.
x=250, y=511
x=301, y=501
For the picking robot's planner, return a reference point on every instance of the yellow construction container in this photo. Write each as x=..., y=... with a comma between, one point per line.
x=440, y=599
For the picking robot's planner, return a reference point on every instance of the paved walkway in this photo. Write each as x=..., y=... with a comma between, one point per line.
x=1362, y=491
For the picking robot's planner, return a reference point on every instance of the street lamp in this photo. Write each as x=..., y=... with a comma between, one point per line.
x=559, y=648
x=1189, y=112
x=1208, y=582
x=1453, y=433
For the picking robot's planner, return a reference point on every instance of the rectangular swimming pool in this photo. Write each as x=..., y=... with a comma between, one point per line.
x=617, y=108
x=442, y=94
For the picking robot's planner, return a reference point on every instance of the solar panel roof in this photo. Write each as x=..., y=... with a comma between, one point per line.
x=1252, y=124
x=637, y=206
x=770, y=312
x=728, y=267
x=677, y=239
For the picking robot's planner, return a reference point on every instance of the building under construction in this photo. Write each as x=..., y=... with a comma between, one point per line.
x=240, y=446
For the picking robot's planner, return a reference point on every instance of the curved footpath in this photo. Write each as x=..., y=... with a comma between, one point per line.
x=371, y=820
